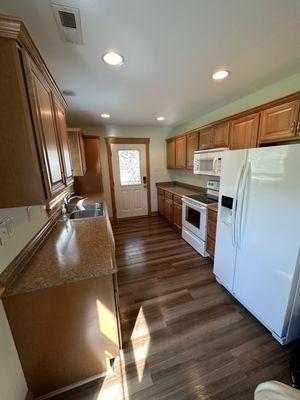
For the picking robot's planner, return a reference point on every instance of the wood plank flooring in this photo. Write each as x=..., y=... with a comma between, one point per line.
x=184, y=336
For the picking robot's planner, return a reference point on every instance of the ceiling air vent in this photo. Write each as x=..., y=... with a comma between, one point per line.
x=68, y=23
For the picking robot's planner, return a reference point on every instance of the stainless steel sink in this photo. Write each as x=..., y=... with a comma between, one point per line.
x=87, y=213
x=90, y=206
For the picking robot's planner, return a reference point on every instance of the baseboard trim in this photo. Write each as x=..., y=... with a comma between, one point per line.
x=73, y=385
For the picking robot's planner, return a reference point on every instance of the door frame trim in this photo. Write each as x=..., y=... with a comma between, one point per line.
x=123, y=140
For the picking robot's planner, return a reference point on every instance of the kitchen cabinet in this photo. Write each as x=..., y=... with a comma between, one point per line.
x=206, y=138
x=177, y=212
x=212, y=216
x=34, y=154
x=77, y=151
x=171, y=154
x=60, y=117
x=214, y=137
x=221, y=135
x=161, y=201
x=45, y=124
x=169, y=209
x=192, y=145
x=280, y=123
x=180, y=152
x=244, y=132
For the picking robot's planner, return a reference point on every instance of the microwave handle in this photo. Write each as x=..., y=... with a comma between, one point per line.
x=215, y=164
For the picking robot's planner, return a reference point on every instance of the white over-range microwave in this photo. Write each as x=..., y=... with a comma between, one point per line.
x=208, y=162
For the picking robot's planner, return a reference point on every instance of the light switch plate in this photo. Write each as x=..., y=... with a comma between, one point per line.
x=4, y=235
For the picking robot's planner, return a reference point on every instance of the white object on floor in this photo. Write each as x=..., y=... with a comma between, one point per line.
x=274, y=390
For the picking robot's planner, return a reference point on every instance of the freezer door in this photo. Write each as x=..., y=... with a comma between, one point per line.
x=268, y=235
x=225, y=251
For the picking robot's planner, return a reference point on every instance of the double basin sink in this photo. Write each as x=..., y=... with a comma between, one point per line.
x=89, y=210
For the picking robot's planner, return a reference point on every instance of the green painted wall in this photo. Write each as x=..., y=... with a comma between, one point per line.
x=276, y=90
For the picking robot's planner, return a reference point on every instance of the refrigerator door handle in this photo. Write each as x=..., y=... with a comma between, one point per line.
x=242, y=204
x=234, y=206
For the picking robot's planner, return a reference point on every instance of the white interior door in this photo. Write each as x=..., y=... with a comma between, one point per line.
x=130, y=179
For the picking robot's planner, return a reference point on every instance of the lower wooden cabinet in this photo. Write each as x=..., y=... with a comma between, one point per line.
x=161, y=203
x=211, y=231
x=280, y=123
x=244, y=132
x=65, y=333
x=177, y=215
x=169, y=209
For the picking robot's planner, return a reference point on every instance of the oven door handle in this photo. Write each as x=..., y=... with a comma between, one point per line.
x=193, y=206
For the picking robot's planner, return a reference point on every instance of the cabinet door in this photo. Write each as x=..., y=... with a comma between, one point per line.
x=280, y=122
x=169, y=209
x=221, y=135
x=180, y=157
x=47, y=133
x=161, y=204
x=171, y=154
x=206, y=138
x=77, y=152
x=63, y=137
x=244, y=132
x=192, y=144
x=177, y=215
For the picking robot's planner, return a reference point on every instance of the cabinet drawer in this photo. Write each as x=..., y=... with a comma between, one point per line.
x=210, y=246
x=212, y=216
x=211, y=229
x=168, y=195
x=177, y=199
x=160, y=191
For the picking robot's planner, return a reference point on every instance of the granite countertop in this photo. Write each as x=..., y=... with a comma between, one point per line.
x=72, y=251
x=178, y=189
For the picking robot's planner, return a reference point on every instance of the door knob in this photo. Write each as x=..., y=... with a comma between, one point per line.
x=144, y=180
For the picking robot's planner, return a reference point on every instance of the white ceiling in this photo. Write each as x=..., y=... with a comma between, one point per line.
x=171, y=48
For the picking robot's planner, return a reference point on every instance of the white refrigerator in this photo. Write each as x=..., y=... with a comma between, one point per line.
x=257, y=256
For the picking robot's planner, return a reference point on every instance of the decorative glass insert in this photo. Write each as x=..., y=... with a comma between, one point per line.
x=129, y=165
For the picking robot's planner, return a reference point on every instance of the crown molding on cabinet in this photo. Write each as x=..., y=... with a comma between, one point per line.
x=14, y=28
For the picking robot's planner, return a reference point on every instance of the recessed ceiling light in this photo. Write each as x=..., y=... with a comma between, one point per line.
x=160, y=118
x=113, y=58
x=105, y=115
x=221, y=74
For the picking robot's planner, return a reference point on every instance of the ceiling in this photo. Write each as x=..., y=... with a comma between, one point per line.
x=171, y=49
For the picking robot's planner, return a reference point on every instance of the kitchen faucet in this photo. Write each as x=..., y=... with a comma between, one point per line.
x=67, y=200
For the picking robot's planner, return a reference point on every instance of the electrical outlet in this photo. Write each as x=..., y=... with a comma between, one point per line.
x=4, y=234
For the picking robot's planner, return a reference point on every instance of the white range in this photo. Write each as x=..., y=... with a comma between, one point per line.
x=194, y=216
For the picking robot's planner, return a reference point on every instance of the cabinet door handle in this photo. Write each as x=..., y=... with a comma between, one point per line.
x=298, y=128
x=293, y=126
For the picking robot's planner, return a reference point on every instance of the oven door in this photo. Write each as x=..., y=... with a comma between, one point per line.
x=195, y=219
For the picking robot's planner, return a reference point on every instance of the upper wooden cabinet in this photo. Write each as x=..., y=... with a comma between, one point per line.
x=171, y=154
x=192, y=145
x=280, y=123
x=214, y=136
x=34, y=160
x=221, y=135
x=206, y=138
x=180, y=152
x=63, y=137
x=244, y=132
x=77, y=151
